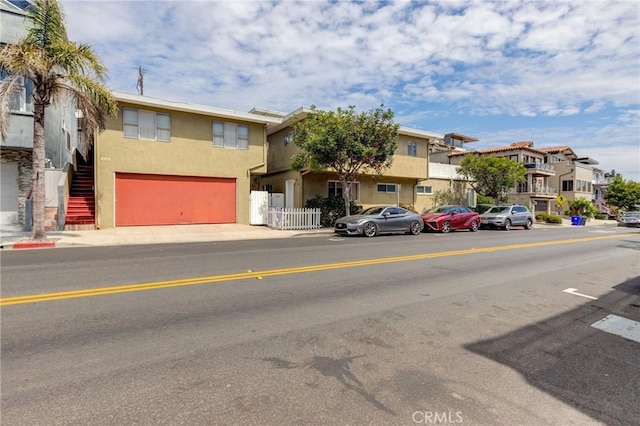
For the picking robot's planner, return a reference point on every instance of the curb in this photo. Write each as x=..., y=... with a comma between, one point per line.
x=33, y=244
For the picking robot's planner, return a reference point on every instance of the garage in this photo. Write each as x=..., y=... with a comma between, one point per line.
x=143, y=199
x=9, y=193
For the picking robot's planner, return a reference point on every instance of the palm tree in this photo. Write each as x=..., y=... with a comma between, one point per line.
x=59, y=69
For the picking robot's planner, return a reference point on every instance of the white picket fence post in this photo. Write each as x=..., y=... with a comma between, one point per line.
x=293, y=218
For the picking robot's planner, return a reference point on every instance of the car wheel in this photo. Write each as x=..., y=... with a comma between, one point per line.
x=446, y=226
x=507, y=225
x=415, y=228
x=369, y=229
x=474, y=226
x=529, y=224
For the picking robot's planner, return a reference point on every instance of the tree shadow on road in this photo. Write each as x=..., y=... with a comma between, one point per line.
x=594, y=371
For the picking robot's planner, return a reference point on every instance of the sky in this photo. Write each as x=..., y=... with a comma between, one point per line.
x=552, y=72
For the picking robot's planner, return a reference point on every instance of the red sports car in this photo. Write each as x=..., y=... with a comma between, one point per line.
x=445, y=218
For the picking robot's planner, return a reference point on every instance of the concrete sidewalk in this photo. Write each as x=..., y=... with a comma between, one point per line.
x=14, y=237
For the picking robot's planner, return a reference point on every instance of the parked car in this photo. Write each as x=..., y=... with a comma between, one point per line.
x=380, y=220
x=446, y=218
x=630, y=219
x=507, y=216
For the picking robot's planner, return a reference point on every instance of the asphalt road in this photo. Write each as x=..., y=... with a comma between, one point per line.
x=471, y=328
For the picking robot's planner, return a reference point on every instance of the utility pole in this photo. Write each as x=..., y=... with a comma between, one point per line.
x=140, y=84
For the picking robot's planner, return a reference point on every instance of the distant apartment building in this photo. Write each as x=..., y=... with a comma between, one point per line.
x=539, y=189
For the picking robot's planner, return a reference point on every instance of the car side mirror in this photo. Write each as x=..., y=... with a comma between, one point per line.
x=385, y=214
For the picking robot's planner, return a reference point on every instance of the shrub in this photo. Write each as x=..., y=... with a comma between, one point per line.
x=601, y=216
x=582, y=207
x=543, y=216
x=331, y=208
x=552, y=218
x=483, y=199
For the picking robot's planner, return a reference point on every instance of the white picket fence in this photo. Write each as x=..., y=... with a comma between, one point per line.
x=290, y=218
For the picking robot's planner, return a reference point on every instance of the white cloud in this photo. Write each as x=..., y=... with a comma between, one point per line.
x=542, y=59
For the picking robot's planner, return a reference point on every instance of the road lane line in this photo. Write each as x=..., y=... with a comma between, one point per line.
x=574, y=291
x=128, y=288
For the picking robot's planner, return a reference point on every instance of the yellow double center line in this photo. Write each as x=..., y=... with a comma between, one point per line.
x=101, y=291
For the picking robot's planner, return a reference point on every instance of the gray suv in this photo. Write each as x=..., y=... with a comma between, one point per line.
x=507, y=216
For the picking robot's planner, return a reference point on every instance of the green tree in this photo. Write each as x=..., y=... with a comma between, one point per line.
x=623, y=194
x=492, y=176
x=59, y=69
x=346, y=142
x=582, y=207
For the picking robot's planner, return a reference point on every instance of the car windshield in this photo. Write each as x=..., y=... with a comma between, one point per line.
x=631, y=214
x=498, y=209
x=441, y=209
x=372, y=211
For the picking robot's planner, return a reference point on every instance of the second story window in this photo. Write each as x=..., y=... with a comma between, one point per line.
x=412, y=149
x=146, y=125
x=230, y=135
x=23, y=98
x=567, y=185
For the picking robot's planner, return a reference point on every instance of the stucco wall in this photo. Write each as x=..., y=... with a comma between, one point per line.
x=190, y=152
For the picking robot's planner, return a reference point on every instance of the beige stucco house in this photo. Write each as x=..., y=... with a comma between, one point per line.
x=407, y=181
x=161, y=162
x=575, y=176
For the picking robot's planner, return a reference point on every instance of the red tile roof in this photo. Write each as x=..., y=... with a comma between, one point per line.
x=522, y=145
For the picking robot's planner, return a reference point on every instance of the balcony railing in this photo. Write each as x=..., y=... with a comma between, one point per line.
x=536, y=189
x=540, y=166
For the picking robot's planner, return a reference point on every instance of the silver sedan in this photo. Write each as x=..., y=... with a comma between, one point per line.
x=380, y=220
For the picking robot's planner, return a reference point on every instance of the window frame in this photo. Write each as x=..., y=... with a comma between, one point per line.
x=156, y=127
x=337, y=182
x=567, y=185
x=412, y=149
x=387, y=185
x=424, y=193
x=224, y=139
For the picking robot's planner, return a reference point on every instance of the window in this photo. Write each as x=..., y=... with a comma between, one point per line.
x=567, y=185
x=23, y=99
x=288, y=138
x=513, y=157
x=583, y=185
x=334, y=188
x=230, y=135
x=146, y=125
x=412, y=149
x=389, y=188
x=424, y=190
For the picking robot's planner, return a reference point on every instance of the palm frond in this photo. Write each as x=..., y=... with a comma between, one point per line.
x=48, y=26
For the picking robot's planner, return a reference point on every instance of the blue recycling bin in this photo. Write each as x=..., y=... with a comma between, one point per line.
x=575, y=220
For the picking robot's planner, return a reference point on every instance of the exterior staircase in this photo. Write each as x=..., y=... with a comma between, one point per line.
x=81, y=208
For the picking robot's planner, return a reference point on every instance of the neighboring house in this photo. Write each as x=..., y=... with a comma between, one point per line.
x=538, y=192
x=574, y=175
x=443, y=176
x=405, y=182
x=162, y=163
x=16, y=149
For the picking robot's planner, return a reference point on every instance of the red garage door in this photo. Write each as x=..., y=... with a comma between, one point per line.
x=169, y=200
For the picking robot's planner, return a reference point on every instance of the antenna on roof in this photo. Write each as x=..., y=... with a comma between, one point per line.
x=140, y=84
